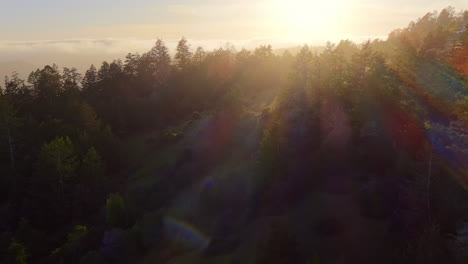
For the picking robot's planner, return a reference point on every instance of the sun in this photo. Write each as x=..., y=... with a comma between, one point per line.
x=309, y=16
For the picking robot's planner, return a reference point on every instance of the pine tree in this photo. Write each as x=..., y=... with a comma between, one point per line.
x=89, y=81
x=159, y=62
x=199, y=56
x=183, y=55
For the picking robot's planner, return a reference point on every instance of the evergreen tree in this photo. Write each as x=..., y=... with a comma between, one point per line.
x=199, y=56
x=159, y=63
x=183, y=56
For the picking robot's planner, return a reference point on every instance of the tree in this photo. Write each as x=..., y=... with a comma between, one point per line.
x=47, y=82
x=361, y=65
x=243, y=56
x=459, y=56
x=446, y=16
x=7, y=123
x=92, y=168
x=72, y=249
x=263, y=52
x=132, y=64
x=71, y=90
x=58, y=159
x=115, y=211
x=17, y=253
x=199, y=56
x=49, y=202
x=159, y=63
x=347, y=48
x=303, y=67
x=115, y=68
x=183, y=56
x=221, y=64
x=87, y=118
x=14, y=85
x=90, y=78
x=71, y=79
x=47, y=87
x=103, y=72
x=89, y=83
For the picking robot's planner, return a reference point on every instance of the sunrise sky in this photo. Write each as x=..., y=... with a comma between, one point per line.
x=53, y=30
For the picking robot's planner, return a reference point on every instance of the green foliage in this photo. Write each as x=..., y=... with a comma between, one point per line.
x=87, y=118
x=17, y=253
x=36, y=241
x=56, y=172
x=78, y=233
x=73, y=247
x=116, y=211
x=125, y=128
x=58, y=160
x=60, y=156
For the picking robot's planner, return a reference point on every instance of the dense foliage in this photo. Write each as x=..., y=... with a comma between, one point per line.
x=356, y=154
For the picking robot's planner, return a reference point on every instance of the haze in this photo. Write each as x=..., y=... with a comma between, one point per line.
x=79, y=33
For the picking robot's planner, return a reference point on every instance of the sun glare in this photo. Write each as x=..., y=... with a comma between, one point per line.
x=309, y=16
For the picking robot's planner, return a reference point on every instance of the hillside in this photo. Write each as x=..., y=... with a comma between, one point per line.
x=354, y=154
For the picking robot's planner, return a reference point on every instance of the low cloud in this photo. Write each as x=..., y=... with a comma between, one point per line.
x=26, y=56
x=74, y=46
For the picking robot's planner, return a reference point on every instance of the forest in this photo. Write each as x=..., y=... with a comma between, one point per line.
x=351, y=153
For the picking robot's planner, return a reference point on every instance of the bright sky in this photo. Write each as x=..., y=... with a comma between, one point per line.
x=207, y=19
x=89, y=27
